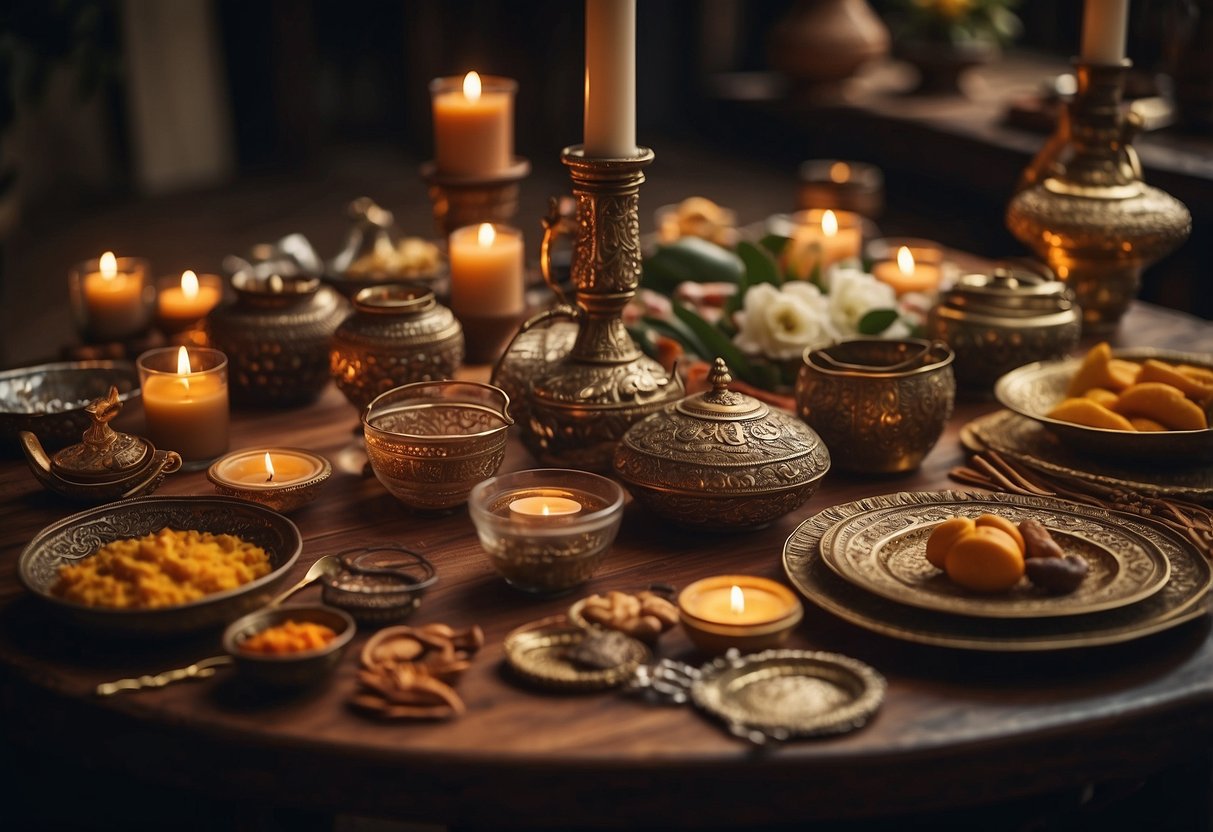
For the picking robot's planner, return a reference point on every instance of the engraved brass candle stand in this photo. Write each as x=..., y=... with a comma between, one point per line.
x=1084, y=208
x=471, y=200
x=581, y=405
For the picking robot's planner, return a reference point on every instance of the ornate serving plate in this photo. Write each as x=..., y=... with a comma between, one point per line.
x=884, y=552
x=81, y=534
x=1034, y=389
x=1178, y=601
x=538, y=653
x=1025, y=440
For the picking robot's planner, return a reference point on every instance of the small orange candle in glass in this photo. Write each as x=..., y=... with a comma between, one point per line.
x=182, y=303
x=823, y=238
x=111, y=296
x=473, y=125
x=185, y=401
x=741, y=611
x=906, y=274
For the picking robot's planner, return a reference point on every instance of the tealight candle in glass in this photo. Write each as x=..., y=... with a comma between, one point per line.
x=185, y=401
x=546, y=530
x=183, y=302
x=842, y=186
x=111, y=297
x=822, y=238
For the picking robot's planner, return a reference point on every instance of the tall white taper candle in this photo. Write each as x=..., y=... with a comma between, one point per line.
x=610, y=78
x=1105, y=24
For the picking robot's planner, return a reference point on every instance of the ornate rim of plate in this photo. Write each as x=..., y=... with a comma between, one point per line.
x=789, y=693
x=535, y=652
x=884, y=552
x=1177, y=602
x=1031, y=390
x=1026, y=440
x=83, y=533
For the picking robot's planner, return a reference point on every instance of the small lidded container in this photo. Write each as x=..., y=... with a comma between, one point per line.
x=379, y=585
x=1002, y=320
x=721, y=460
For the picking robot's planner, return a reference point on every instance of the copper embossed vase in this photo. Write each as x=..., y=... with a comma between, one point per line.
x=721, y=460
x=276, y=338
x=880, y=405
x=398, y=334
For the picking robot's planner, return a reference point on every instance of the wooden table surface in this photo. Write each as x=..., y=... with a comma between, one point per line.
x=957, y=728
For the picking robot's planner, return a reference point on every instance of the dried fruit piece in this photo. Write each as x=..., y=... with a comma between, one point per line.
x=944, y=535
x=994, y=521
x=1101, y=395
x=1058, y=575
x=1089, y=413
x=1164, y=404
x=985, y=560
x=1038, y=543
x=1191, y=386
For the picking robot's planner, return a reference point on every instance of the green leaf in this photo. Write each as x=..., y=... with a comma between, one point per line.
x=640, y=334
x=720, y=346
x=760, y=266
x=678, y=331
x=690, y=259
x=776, y=244
x=877, y=321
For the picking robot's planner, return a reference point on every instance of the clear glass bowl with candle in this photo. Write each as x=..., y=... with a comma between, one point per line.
x=429, y=442
x=111, y=297
x=547, y=529
x=185, y=402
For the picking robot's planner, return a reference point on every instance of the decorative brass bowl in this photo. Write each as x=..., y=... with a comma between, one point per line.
x=430, y=442
x=880, y=404
x=998, y=321
x=288, y=670
x=81, y=534
x=48, y=400
x=1035, y=389
x=721, y=460
x=280, y=496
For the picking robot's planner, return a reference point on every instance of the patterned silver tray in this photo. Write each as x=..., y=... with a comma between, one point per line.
x=1027, y=441
x=884, y=552
x=1178, y=601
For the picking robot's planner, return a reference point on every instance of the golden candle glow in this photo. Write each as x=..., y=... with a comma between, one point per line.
x=189, y=284
x=186, y=410
x=269, y=468
x=840, y=172
x=471, y=86
x=183, y=367
x=907, y=275
x=829, y=224
x=545, y=506
x=737, y=600
x=485, y=235
x=905, y=261
x=108, y=266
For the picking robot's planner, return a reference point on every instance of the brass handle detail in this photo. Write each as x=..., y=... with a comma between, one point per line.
x=203, y=669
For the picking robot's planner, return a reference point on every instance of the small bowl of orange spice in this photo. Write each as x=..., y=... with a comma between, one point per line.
x=289, y=646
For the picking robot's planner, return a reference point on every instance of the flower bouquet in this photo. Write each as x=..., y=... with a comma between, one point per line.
x=759, y=305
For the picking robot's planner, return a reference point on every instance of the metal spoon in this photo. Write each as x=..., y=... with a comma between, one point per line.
x=205, y=668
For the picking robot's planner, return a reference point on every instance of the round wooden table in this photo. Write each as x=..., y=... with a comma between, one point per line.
x=957, y=728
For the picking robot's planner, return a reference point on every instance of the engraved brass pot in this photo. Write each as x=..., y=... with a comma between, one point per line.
x=721, y=460
x=398, y=334
x=276, y=337
x=879, y=405
x=998, y=321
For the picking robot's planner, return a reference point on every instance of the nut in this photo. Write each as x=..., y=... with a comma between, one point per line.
x=408, y=672
x=1038, y=543
x=1058, y=575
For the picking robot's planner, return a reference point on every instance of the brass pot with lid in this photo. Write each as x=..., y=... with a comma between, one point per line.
x=721, y=460
x=106, y=465
x=1009, y=317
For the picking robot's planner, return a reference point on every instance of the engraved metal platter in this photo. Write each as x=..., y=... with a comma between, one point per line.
x=1027, y=441
x=782, y=694
x=884, y=552
x=538, y=653
x=1181, y=599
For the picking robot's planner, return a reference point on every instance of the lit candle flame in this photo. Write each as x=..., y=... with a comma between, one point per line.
x=905, y=261
x=840, y=172
x=486, y=234
x=108, y=265
x=736, y=600
x=183, y=367
x=471, y=86
x=189, y=284
x=547, y=510
x=829, y=224
x=269, y=467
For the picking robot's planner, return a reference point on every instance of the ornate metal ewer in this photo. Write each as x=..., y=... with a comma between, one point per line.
x=580, y=406
x=1083, y=207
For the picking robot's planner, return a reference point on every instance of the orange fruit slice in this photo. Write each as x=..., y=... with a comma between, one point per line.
x=986, y=560
x=1089, y=413
x=1006, y=525
x=943, y=536
x=1164, y=404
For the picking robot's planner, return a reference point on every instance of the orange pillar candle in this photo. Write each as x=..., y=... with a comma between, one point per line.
x=486, y=271
x=473, y=125
x=906, y=275
x=823, y=238
x=112, y=296
x=181, y=304
x=185, y=401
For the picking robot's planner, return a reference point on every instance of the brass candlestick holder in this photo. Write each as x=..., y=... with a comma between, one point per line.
x=1084, y=208
x=470, y=200
x=581, y=405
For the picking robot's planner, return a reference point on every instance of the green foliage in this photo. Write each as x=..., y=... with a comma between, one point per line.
x=877, y=321
x=955, y=22
x=690, y=259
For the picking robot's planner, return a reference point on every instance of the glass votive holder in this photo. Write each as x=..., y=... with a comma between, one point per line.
x=841, y=185
x=820, y=238
x=910, y=264
x=488, y=293
x=185, y=402
x=183, y=302
x=111, y=297
x=473, y=125
x=547, y=529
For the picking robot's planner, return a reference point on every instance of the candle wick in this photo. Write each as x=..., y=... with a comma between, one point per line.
x=269, y=478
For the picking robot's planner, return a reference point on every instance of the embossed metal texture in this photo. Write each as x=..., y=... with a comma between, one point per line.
x=1182, y=598
x=721, y=459
x=49, y=399
x=538, y=654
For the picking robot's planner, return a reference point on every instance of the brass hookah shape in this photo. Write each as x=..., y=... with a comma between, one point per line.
x=1084, y=208
x=581, y=405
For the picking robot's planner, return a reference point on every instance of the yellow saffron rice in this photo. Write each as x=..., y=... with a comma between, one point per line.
x=162, y=569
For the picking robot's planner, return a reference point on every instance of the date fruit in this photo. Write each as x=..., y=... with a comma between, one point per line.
x=1058, y=575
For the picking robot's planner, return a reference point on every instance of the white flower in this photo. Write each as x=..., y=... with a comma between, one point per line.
x=780, y=323
x=853, y=294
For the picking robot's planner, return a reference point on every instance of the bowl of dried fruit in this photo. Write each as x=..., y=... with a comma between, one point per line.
x=1142, y=404
x=292, y=646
